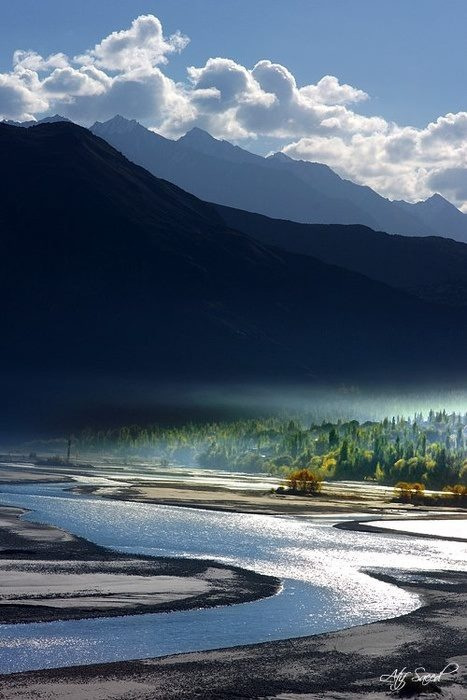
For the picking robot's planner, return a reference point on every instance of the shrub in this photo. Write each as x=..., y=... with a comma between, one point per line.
x=409, y=492
x=457, y=493
x=304, y=481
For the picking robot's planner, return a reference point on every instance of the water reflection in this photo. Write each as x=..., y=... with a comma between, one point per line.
x=323, y=587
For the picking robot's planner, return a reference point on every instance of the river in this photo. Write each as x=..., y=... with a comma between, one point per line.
x=322, y=568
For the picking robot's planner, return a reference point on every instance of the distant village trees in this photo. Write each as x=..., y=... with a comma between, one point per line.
x=427, y=450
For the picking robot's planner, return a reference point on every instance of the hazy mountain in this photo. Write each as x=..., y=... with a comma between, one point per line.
x=377, y=212
x=111, y=272
x=430, y=267
x=199, y=140
x=35, y=122
x=234, y=177
x=440, y=215
x=277, y=186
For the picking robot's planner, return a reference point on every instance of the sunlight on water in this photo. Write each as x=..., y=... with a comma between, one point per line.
x=324, y=587
x=424, y=526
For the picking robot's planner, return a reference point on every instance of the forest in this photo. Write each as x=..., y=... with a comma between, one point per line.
x=429, y=449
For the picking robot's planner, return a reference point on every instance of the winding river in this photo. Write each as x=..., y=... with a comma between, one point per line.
x=322, y=568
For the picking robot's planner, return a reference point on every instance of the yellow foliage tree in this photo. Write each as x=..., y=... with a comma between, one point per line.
x=304, y=481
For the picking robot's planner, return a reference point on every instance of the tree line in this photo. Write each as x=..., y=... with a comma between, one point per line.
x=428, y=449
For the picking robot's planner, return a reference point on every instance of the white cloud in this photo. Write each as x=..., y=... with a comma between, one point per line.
x=268, y=102
x=120, y=74
x=123, y=74
x=275, y=79
x=399, y=162
x=31, y=60
x=143, y=44
x=20, y=97
x=69, y=82
x=329, y=91
x=452, y=181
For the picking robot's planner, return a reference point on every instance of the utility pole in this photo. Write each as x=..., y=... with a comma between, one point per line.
x=68, y=452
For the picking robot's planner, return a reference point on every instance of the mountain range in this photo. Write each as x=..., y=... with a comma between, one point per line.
x=433, y=268
x=276, y=186
x=105, y=248
x=430, y=267
x=109, y=272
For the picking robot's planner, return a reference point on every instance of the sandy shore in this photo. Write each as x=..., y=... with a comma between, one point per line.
x=376, y=526
x=337, y=666
x=343, y=665
x=49, y=574
x=13, y=475
x=263, y=503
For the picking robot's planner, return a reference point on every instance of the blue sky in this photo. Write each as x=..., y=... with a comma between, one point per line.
x=409, y=55
x=376, y=89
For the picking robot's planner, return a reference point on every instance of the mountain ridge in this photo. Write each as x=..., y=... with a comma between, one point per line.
x=432, y=268
x=277, y=186
x=112, y=247
x=116, y=284
x=305, y=192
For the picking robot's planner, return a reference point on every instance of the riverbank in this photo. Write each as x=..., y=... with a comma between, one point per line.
x=201, y=489
x=331, y=500
x=343, y=665
x=377, y=526
x=13, y=475
x=336, y=666
x=48, y=574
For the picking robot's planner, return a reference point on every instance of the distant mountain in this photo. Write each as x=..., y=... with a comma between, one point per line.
x=431, y=267
x=34, y=122
x=111, y=272
x=202, y=142
x=377, y=212
x=234, y=177
x=440, y=214
x=277, y=186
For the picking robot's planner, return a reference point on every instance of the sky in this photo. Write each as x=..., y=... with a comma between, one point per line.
x=377, y=89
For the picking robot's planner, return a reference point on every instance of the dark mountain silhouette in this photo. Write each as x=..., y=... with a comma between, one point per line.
x=109, y=271
x=277, y=186
x=34, y=122
x=431, y=267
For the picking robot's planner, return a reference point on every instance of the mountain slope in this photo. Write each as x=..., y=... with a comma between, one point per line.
x=33, y=122
x=202, y=142
x=277, y=186
x=228, y=178
x=431, y=267
x=440, y=215
x=378, y=212
x=107, y=271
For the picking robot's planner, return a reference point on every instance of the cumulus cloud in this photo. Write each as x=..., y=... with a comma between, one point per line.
x=143, y=44
x=30, y=60
x=400, y=162
x=20, y=96
x=124, y=73
x=121, y=74
x=71, y=82
x=329, y=91
x=452, y=181
x=266, y=101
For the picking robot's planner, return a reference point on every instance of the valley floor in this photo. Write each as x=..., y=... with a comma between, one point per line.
x=49, y=574
x=334, y=499
x=343, y=665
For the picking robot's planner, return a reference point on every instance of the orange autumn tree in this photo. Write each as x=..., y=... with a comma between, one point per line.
x=407, y=492
x=304, y=481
